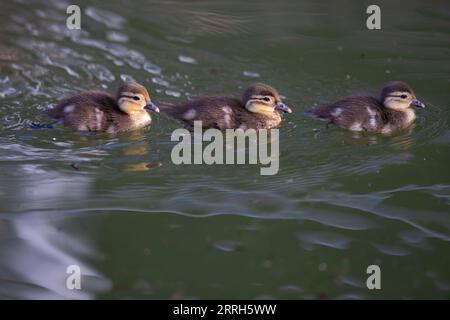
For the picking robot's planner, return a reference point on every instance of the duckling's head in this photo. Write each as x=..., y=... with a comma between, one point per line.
x=263, y=99
x=399, y=96
x=133, y=98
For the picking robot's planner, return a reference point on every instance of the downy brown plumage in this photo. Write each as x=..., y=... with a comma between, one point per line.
x=393, y=111
x=100, y=111
x=259, y=108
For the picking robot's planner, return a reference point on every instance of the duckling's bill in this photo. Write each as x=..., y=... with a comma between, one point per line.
x=417, y=103
x=282, y=107
x=152, y=107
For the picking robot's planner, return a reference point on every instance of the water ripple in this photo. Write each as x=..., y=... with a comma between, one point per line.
x=309, y=240
x=106, y=17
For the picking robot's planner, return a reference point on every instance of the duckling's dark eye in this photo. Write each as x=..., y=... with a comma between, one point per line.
x=136, y=98
x=267, y=99
x=403, y=96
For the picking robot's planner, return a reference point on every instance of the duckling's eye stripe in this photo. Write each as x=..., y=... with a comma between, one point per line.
x=124, y=96
x=131, y=95
x=264, y=98
x=261, y=101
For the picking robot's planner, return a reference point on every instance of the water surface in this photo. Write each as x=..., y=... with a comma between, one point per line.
x=141, y=227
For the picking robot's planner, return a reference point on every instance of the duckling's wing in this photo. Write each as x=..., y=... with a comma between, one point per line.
x=73, y=103
x=355, y=113
x=87, y=111
x=214, y=112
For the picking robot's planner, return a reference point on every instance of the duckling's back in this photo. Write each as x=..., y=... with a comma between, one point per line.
x=220, y=112
x=89, y=111
x=356, y=113
x=215, y=112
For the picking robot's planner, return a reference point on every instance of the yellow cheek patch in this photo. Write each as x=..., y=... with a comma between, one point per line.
x=129, y=106
x=125, y=105
x=396, y=104
x=259, y=108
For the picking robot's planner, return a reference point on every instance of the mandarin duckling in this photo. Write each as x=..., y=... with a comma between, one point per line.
x=393, y=111
x=99, y=111
x=259, y=108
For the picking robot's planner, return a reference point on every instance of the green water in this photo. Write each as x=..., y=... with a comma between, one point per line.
x=140, y=227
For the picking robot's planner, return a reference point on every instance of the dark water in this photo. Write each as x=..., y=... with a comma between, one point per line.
x=140, y=227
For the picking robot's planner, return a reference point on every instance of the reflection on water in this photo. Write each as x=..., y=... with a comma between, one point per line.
x=141, y=227
x=35, y=266
x=35, y=251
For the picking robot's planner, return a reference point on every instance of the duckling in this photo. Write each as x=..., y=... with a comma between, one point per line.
x=258, y=109
x=99, y=111
x=365, y=113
